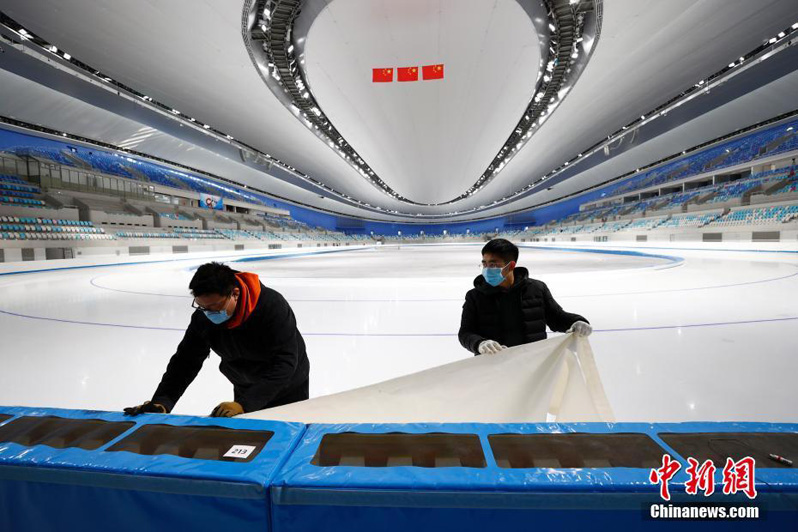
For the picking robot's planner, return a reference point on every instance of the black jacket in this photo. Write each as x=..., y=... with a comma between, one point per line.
x=514, y=316
x=264, y=357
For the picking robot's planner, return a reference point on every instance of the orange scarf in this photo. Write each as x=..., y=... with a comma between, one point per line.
x=249, y=286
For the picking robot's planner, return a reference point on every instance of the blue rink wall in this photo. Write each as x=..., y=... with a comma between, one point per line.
x=89, y=470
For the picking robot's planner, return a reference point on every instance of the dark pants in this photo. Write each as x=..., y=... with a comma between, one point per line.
x=293, y=394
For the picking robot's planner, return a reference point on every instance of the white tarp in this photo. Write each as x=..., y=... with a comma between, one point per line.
x=551, y=380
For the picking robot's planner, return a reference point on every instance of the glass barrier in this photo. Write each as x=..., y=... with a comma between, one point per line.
x=392, y=450
x=62, y=433
x=575, y=450
x=199, y=442
x=717, y=446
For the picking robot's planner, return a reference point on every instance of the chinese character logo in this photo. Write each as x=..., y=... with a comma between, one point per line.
x=701, y=478
x=663, y=474
x=739, y=476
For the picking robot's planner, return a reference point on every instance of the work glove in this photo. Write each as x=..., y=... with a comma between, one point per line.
x=227, y=409
x=490, y=347
x=581, y=328
x=146, y=408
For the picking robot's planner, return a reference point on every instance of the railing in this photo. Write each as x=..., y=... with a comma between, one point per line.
x=54, y=175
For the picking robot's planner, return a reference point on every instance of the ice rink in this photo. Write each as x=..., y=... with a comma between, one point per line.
x=680, y=334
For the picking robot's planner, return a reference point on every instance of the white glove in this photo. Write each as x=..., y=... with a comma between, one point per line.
x=580, y=328
x=490, y=347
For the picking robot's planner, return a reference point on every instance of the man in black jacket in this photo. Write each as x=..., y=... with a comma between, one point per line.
x=507, y=308
x=253, y=329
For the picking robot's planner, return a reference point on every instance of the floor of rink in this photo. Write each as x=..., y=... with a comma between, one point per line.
x=702, y=335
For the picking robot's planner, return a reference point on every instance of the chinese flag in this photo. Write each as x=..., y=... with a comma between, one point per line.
x=432, y=71
x=381, y=75
x=407, y=74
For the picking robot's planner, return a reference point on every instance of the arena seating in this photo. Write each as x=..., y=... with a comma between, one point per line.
x=758, y=216
x=727, y=154
x=15, y=191
x=234, y=234
x=646, y=224
x=734, y=190
x=25, y=228
x=688, y=220
x=173, y=216
x=789, y=189
x=679, y=199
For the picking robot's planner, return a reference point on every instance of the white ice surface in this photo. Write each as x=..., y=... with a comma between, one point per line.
x=710, y=338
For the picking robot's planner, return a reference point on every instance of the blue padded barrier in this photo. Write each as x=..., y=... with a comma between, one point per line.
x=46, y=488
x=405, y=498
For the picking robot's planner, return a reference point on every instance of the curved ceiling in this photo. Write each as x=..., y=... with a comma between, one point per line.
x=428, y=140
x=189, y=55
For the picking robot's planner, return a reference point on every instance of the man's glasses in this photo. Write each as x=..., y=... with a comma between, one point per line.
x=206, y=309
x=484, y=264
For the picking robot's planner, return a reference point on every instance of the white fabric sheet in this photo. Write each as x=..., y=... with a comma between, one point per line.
x=551, y=380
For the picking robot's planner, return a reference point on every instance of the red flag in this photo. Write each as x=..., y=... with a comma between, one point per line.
x=407, y=74
x=381, y=75
x=432, y=71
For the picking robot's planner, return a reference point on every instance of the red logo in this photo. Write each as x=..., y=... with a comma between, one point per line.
x=738, y=476
x=662, y=475
x=701, y=478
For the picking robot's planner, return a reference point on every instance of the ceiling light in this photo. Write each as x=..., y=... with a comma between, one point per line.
x=552, y=27
x=229, y=137
x=772, y=40
x=67, y=56
x=780, y=35
x=642, y=117
x=794, y=26
x=546, y=78
x=206, y=126
x=23, y=31
x=731, y=65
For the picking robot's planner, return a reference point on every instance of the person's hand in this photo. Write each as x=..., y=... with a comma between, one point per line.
x=581, y=328
x=145, y=408
x=227, y=409
x=490, y=347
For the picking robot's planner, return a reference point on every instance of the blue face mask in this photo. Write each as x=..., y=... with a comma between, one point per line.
x=217, y=316
x=493, y=276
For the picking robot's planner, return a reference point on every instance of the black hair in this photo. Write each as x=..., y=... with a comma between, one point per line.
x=213, y=278
x=502, y=248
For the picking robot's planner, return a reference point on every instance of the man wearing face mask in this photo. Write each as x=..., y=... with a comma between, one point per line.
x=253, y=330
x=506, y=308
